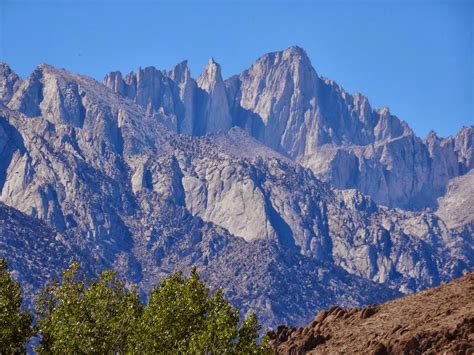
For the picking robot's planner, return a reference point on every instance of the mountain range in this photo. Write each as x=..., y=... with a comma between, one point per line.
x=284, y=190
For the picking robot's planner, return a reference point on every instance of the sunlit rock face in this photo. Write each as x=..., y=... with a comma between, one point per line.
x=157, y=172
x=282, y=101
x=456, y=207
x=191, y=107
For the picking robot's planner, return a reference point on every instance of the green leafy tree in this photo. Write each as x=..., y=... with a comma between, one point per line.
x=79, y=317
x=182, y=316
x=248, y=333
x=219, y=330
x=15, y=325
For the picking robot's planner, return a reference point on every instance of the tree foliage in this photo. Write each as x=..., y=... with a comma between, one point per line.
x=80, y=317
x=15, y=324
x=104, y=316
x=182, y=316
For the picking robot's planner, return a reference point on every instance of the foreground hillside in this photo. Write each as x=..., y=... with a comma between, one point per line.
x=439, y=320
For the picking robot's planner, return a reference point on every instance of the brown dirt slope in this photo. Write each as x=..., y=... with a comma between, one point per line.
x=439, y=320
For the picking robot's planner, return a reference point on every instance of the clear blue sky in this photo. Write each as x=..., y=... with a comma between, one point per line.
x=414, y=56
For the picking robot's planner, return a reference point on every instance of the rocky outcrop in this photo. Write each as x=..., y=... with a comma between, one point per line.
x=214, y=115
x=187, y=93
x=9, y=82
x=187, y=106
x=402, y=172
x=440, y=320
x=153, y=90
x=57, y=98
x=148, y=87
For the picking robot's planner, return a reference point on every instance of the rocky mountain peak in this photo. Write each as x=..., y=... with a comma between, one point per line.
x=282, y=102
x=213, y=112
x=9, y=82
x=29, y=94
x=180, y=72
x=296, y=50
x=211, y=76
x=431, y=136
x=114, y=81
x=4, y=67
x=293, y=59
x=464, y=145
x=293, y=55
x=296, y=53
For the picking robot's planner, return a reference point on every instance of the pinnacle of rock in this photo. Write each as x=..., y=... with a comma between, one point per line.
x=180, y=72
x=210, y=76
x=9, y=82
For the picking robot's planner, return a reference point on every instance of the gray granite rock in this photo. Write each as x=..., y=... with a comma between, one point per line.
x=120, y=183
x=9, y=82
x=455, y=207
x=281, y=101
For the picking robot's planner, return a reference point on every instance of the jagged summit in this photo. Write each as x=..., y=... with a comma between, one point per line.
x=180, y=71
x=293, y=59
x=292, y=54
x=211, y=76
x=9, y=82
x=214, y=112
x=431, y=135
x=296, y=49
x=282, y=101
x=298, y=54
x=5, y=68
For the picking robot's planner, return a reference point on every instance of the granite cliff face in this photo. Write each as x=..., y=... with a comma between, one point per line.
x=191, y=107
x=281, y=101
x=112, y=174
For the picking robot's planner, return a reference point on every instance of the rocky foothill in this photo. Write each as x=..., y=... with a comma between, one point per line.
x=437, y=321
